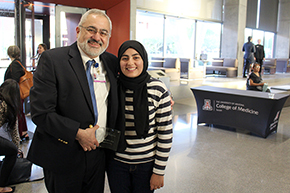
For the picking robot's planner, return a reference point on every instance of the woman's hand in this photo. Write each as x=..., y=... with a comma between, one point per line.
x=156, y=182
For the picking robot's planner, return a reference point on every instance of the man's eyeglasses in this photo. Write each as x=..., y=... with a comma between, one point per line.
x=92, y=30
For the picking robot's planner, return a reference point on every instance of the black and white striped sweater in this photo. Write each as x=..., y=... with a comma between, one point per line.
x=158, y=143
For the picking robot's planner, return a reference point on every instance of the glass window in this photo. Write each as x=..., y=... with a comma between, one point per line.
x=52, y=29
x=257, y=34
x=267, y=39
x=269, y=44
x=68, y=23
x=7, y=31
x=208, y=37
x=149, y=31
x=38, y=26
x=248, y=32
x=179, y=37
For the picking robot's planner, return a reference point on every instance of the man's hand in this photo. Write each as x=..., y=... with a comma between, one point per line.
x=156, y=182
x=87, y=138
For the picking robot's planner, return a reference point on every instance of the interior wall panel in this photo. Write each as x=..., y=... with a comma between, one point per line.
x=120, y=16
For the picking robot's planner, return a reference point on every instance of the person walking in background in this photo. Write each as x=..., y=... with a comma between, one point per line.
x=9, y=136
x=15, y=71
x=249, y=49
x=259, y=54
x=40, y=49
x=75, y=93
x=145, y=122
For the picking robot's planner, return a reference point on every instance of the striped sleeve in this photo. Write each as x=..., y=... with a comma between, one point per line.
x=163, y=122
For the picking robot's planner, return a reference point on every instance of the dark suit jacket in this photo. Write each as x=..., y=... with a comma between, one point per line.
x=259, y=54
x=61, y=103
x=249, y=49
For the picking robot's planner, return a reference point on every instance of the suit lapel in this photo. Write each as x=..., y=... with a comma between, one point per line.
x=78, y=67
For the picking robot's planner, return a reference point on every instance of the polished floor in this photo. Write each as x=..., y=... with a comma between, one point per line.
x=205, y=159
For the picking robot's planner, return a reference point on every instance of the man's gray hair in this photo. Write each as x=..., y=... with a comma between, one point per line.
x=95, y=12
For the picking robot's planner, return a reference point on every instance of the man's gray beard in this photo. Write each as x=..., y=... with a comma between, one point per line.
x=87, y=49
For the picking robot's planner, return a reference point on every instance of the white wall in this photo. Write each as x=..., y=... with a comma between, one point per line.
x=197, y=9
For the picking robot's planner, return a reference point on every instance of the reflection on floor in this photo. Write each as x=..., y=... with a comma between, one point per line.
x=208, y=159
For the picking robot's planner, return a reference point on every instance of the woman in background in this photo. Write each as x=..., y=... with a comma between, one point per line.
x=254, y=82
x=9, y=136
x=15, y=71
x=145, y=122
x=40, y=49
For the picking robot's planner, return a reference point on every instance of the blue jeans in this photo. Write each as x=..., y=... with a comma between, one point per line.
x=129, y=178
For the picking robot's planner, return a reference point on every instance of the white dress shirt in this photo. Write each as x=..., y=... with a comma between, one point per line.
x=101, y=87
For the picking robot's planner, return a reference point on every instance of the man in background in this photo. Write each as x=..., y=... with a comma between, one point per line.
x=259, y=54
x=249, y=49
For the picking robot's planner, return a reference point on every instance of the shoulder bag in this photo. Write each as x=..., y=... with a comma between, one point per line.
x=25, y=83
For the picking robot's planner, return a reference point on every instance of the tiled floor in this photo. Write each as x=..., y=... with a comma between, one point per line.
x=206, y=159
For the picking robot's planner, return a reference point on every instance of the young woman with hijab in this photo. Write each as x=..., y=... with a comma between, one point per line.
x=15, y=71
x=145, y=122
x=9, y=136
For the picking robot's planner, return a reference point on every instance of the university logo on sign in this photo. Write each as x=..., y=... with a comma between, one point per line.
x=277, y=115
x=207, y=106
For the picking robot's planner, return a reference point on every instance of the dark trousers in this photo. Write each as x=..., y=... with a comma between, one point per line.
x=9, y=150
x=129, y=178
x=22, y=126
x=89, y=177
x=260, y=61
x=247, y=65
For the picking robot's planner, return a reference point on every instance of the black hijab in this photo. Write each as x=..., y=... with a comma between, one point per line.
x=139, y=87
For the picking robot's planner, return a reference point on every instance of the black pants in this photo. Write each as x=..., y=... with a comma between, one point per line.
x=247, y=65
x=22, y=125
x=260, y=61
x=9, y=150
x=88, y=178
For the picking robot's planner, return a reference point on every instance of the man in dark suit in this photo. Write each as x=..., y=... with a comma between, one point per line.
x=249, y=49
x=259, y=54
x=64, y=142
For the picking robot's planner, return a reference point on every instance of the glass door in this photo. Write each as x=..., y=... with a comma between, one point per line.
x=66, y=21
